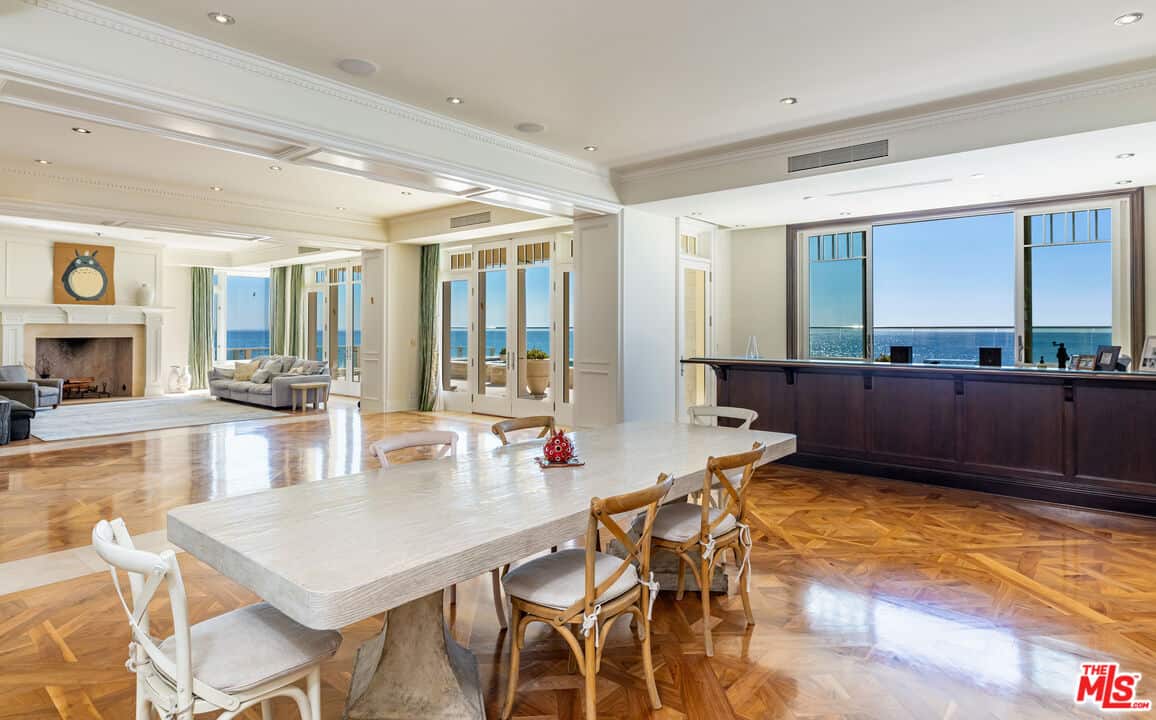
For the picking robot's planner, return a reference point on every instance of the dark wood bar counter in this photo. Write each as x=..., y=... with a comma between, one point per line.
x=1077, y=437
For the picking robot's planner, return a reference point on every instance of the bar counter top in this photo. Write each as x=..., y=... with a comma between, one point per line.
x=1025, y=371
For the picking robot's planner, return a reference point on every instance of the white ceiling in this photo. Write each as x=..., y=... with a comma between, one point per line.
x=1080, y=163
x=179, y=240
x=151, y=160
x=650, y=78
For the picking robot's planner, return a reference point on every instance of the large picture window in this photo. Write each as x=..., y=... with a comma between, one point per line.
x=242, y=302
x=1024, y=280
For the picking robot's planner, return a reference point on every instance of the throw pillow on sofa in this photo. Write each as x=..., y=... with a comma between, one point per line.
x=262, y=376
x=244, y=371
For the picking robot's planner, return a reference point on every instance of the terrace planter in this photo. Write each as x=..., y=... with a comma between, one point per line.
x=537, y=376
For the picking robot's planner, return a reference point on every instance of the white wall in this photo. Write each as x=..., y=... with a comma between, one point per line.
x=758, y=290
x=649, y=316
x=597, y=327
x=26, y=272
x=403, y=285
x=178, y=292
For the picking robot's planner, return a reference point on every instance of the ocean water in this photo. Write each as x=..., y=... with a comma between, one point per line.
x=959, y=345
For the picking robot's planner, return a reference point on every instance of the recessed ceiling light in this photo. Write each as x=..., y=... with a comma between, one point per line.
x=1130, y=18
x=215, y=188
x=789, y=100
x=341, y=207
x=454, y=100
x=1125, y=156
x=82, y=131
x=591, y=148
x=44, y=162
x=977, y=176
x=357, y=66
x=222, y=19
x=1123, y=182
x=275, y=168
x=530, y=127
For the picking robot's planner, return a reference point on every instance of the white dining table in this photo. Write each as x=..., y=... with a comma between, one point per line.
x=336, y=551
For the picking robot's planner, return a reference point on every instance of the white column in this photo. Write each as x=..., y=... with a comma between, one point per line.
x=598, y=323
x=11, y=339
x=154, y=353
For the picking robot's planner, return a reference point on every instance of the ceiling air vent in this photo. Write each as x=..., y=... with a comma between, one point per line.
x=462, y=221
x=838, y=156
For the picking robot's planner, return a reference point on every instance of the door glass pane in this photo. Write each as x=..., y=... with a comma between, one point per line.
x=355, y=334
x=1068, y=287
x=492, y=345
x=694, y=313
x=534, y=361
x=837, y=309
x=568, y=312
x=455, y=335
x=337, y=326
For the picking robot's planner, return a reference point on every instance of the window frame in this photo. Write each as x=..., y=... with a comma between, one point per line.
x=1127, y=264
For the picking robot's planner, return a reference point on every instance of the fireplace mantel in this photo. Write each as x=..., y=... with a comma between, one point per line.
x=15, y=316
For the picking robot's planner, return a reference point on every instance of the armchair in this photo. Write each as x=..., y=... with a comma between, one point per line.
x=33, y=392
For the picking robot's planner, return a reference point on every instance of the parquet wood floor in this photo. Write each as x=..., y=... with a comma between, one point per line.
x=874, y=598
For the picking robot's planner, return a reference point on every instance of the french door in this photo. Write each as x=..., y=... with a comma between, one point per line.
x=696, y=386
x=507, y=313
x=333, y=323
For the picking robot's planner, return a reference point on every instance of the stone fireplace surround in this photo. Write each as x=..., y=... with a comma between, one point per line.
x=22, y=324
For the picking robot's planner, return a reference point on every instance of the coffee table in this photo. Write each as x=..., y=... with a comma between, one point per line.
x=302, y=389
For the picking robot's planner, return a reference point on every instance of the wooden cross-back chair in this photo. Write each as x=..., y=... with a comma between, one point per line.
x=441, y=441
x=500, y=429
x=583, y=592
x=683, y=528
x=243, y=658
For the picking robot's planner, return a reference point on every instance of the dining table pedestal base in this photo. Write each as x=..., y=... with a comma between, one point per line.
x=415, y=670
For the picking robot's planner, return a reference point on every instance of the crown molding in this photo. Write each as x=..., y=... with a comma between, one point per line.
x=186, y=42
x=755, y=150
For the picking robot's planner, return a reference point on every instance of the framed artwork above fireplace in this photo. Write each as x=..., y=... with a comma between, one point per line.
x=83, y=274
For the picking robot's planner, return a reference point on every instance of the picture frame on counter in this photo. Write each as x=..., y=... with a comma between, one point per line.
x=1148, y=356
x=1084, y=362
x=1106, y=357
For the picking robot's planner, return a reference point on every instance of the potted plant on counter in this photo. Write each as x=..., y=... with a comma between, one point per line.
x=537, y=372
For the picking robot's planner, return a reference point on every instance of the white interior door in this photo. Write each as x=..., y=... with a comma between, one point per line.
x=696, y=382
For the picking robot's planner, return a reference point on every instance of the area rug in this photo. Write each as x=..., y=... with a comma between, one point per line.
x=117, y=418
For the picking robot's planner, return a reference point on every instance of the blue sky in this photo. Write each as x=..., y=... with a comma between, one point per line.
x=537, y=298
x=961, y=272
x=248, y=303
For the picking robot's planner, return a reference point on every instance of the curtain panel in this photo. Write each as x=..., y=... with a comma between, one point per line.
x=427, y=328
x=277, y=319
x=201, y=340
x=295, y=315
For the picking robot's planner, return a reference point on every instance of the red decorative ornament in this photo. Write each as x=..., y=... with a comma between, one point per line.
x=558, y=448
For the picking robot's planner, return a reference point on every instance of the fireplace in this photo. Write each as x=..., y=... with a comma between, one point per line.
x=90, y=366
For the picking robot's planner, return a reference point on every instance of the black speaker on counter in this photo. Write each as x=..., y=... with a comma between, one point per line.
x=901, y=354
x=991, y=357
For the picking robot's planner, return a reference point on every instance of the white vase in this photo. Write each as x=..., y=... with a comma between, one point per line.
x=178, y=380
x=145, y=295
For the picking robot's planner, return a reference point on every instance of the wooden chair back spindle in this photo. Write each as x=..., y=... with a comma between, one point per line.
x=736, y=498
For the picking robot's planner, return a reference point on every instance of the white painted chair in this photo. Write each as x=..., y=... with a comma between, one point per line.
x=700, y=413
x=445, y=444
x=226, y=664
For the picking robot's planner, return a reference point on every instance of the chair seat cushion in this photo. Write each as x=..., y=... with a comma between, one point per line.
x=680, y=521
x=558, y=580
x=242, y=385
x=221, y=384
x=244, y=648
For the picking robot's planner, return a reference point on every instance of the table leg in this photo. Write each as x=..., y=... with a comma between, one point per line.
x=415, y=670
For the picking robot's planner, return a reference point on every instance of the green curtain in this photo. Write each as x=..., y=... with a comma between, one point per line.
x=277, y=335
x=427, y=328
x=295, y=345
x=201, y=338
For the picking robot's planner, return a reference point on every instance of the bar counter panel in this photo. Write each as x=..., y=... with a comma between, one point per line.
x=1085, y=438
